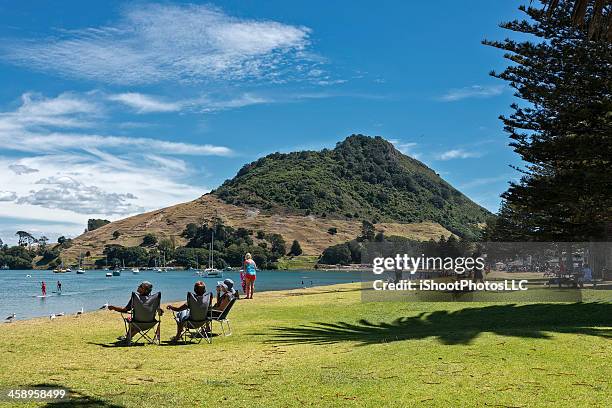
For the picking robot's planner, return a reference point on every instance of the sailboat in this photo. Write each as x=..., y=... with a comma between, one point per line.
x=197, y=268
x=211, y=271
x=135, y=270
x=80, y=270
x=61, y=269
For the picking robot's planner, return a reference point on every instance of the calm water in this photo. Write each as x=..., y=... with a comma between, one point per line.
x=20, y=294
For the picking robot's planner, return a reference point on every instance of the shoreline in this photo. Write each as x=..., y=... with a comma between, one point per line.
x=265, y=293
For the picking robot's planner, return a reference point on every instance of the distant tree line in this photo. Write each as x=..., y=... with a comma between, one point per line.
x=30, y=249
x=350, y=252
x=229, y=247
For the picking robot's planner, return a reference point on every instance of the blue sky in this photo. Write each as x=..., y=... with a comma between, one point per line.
x=112, y=108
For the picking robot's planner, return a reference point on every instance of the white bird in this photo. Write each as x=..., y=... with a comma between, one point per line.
x=52, y=317
x=60, y=314
x=11, y=317
x=79, y=312
x=104, y=306
x=28, y=276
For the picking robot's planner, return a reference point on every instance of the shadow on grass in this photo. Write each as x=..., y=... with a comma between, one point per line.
x=461, y=326
x=164, y=343
x=76, y=399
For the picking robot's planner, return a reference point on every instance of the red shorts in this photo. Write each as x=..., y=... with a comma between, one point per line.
x=248, y=277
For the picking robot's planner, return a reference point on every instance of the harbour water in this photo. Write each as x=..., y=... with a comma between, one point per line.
x=21, y=294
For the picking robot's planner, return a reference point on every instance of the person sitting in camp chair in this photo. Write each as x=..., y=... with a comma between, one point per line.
x=193, y=314
x=226, y=297
x=225, y=294
x=143, y=308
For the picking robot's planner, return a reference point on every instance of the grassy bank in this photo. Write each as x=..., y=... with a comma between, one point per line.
x=323, y=347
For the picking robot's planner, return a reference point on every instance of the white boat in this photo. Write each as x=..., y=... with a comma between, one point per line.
x=4, y=267
x=61, y=269
x=135, y=271
x=212, y=272
x=80, y=270
x=109, y=274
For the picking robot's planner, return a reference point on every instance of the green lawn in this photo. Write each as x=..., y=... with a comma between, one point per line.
x=324, y=347
x=298, y=262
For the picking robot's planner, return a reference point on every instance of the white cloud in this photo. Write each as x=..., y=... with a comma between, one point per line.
x=145, y=103
x=67, y=193
x=70, y=187
x=7, y=196
x=406, y=148
x=20, y=169
x=30, y=129
x=67, y=176
x=246, y=99
x=484, y=181
x=67, y=110
x=154, y=42
x=457, y=154
x=475, y=91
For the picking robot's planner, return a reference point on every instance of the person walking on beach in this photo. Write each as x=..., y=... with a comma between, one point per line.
x=59, y=287
x=43, y=288
x=250, y=274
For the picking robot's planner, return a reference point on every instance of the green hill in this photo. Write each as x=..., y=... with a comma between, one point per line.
x=363, y=177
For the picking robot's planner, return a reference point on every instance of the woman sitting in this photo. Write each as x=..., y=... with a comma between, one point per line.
x=182, y=315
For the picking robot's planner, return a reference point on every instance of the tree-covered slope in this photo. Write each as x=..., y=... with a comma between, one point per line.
x=363, y=177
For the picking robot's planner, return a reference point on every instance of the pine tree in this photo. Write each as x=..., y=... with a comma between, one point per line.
x=296, y=249
x=563, y=131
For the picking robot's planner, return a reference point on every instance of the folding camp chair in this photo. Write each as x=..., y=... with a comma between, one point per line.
x=222, y=317
x=195, y=326
x=143, y=318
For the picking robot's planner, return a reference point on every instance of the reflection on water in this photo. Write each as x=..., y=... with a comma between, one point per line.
x=21, y=294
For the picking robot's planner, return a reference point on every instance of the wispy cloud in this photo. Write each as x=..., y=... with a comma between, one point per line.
x=155, y=42
x=407, y=148
x=39, y=125
x=475, y=91
x=457, y=154
x=145, y=103
x=484, y=181
x=67, y=110
x=7, y=196
x=67, y=174
x=67, y=193
x=20, y=169
x=72, y=185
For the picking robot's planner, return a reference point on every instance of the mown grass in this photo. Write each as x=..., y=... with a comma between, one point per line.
x=324, y=347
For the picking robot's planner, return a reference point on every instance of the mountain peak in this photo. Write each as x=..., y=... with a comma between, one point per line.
x=362, y=177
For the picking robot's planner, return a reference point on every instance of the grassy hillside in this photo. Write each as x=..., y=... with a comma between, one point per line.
x=310, y=231
x=362, y=178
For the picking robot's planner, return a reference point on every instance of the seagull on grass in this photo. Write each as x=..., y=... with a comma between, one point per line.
x=10, y=318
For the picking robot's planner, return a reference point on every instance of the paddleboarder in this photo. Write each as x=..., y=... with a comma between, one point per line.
x=59, y=287
x=43, y=288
